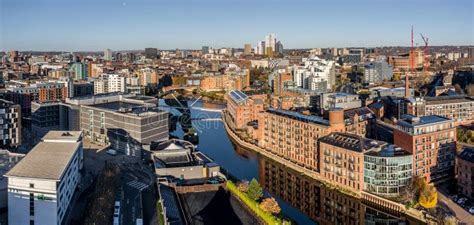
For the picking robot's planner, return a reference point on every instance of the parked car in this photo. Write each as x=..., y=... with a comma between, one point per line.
x=462, y=200
x=471, y=210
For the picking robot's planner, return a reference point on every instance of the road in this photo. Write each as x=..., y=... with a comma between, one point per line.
x=460, y=213
x=136, y=182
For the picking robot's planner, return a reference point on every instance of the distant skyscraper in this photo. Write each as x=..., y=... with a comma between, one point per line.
x=108, y=55
x=261, y=48
x=118, y=56
x=270, y=42
x=247, y=49
x=471, y=52
x=151, y=53
x=279, y=48
x=205, y=50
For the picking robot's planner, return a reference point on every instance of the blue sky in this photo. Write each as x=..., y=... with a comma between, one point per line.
x=74, y=25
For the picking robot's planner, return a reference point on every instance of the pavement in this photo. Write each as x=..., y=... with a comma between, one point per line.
x=461, y=214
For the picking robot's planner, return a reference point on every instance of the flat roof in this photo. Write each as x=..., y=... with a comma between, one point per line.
x=412, y=121
x=62, y=136
x=351, y=142
x=447, y=100
x=467, y=154
x=129, y=108
x=299, y=116
x=47, y=160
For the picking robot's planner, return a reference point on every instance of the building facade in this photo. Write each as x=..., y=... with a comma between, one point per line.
x=127, y=124
x=42, y=184
x=432, y=142
x=10, y=124
x=293, y=136
x=465, y=172
x=388, y=171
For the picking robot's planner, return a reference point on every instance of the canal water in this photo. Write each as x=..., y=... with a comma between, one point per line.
x=303, y=200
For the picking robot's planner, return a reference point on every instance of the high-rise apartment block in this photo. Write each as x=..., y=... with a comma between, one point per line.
x=108, y=55
x=10, y=124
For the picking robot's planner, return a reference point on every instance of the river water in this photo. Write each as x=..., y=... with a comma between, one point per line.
x=302, y=199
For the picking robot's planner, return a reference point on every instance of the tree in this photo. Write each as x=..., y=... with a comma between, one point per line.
x=270, y=205
x=255, y=192
x=450, y=220
x=428, y=196
x=243, y=186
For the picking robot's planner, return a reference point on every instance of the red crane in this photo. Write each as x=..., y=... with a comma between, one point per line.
x=426, y=63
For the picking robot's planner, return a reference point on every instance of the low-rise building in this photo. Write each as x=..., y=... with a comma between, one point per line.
x=179, y=159
x=42, y=184
x=465, y=172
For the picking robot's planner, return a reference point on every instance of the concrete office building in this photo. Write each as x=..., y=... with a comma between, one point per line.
x=42, y=184
x=127, y=123
x=377, y=71
x=432, y=142
x=10, y=124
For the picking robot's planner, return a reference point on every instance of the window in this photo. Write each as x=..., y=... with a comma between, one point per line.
x=32, y=222
x=32, y=185
x=32, y=204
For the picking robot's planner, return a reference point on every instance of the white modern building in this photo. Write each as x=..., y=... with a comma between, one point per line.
x=107, y=83
x=319, y=69
x=42, y=184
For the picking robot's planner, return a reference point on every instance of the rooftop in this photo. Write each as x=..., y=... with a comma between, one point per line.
x=412, y=121
x=238, y=96
x=47, y=160
x=62, y=136
x=467, y=154
x=351, y=142
x=128, y=107
x=447, y=100
x=299, y=116
x=389, y=151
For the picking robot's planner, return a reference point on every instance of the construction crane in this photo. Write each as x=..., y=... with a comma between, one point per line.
x=426, y=63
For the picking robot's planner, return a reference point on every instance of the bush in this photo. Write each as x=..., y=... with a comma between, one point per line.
x=255, y=192
x=270, y=205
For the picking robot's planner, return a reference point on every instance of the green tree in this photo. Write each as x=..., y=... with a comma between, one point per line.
x=255, y=192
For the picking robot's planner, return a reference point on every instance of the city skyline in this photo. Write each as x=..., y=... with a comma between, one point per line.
x=170, y=24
